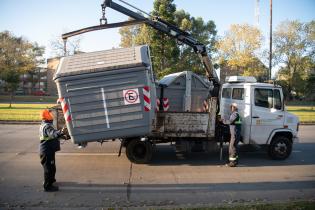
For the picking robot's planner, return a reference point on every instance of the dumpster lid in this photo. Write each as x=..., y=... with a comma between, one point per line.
x=103, y=60
x=169, y=79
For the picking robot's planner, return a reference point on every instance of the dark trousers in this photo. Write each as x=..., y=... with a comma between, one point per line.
x=49, y=166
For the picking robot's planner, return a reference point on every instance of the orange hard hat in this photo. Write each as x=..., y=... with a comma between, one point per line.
x=46, y=115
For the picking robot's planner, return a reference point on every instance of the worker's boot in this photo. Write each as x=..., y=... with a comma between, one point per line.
x=51, y=188
x=231, y=164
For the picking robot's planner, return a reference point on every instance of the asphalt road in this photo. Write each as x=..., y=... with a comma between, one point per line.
x=95, y=177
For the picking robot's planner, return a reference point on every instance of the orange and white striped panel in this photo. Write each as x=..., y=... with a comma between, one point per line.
x=65, y=109
x=166, y=104
x=146, y=98
x=157, y=108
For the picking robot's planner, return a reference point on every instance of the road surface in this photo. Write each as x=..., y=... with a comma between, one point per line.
x=95, y=177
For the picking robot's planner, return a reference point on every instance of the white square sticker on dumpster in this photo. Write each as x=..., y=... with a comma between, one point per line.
x=131, y=96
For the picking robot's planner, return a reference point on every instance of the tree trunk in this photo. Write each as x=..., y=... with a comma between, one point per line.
x=11, y=98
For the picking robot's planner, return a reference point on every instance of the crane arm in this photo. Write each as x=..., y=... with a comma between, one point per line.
x=174, y=32
x=159, y=25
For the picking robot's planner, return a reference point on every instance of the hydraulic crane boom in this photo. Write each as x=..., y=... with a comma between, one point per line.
x=174, y=32
x=160, y=25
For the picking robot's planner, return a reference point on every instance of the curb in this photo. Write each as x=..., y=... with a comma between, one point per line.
x=19, y=122
x=307, y=123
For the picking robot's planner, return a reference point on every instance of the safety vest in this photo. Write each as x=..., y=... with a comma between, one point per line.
x=42, y=133
x=239, y=121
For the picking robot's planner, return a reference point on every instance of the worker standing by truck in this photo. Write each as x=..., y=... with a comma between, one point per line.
x=49, y=145
x=235, y=124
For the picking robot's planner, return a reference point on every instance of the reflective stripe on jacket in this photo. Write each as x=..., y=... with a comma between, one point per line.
x=48, y=136
x=238, y=121
x=47, y=131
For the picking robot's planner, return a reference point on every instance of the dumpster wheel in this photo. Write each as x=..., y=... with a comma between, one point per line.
x=138, y=151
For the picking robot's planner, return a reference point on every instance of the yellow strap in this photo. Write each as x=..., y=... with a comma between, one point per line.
x=45, y=138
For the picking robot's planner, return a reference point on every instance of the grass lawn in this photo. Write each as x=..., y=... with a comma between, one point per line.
x=37, y=99
x=22, y=112
x=305, y=113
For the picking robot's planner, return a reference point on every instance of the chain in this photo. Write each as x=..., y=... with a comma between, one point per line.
x=103, y=19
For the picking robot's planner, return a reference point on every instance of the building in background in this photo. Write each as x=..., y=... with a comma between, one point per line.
x=37, y=82
x=33, y=83
x=52, y=65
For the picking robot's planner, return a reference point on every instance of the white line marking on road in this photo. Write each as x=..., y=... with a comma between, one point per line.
x=105, y=107
x=86, y=154
x=295, y=151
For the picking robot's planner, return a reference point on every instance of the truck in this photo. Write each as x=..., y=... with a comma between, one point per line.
x=114, y=94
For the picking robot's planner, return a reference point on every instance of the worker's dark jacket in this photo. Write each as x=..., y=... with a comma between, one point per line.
x=48, y=136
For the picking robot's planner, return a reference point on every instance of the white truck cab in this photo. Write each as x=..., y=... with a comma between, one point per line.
x=265, y=120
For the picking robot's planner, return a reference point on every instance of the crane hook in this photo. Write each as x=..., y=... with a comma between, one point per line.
x=103, y=19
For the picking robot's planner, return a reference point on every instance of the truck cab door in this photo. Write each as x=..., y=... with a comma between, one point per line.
x=267, y=113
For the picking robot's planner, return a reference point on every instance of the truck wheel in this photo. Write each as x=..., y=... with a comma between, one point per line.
x=139, y=151
x=280, y=148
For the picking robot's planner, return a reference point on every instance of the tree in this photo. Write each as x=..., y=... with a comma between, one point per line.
x=204, y=32
x=129, y=34
x=239, y=49
x=164, y=49
x=167, y=56
x=294, y=51
x=17, y=56
x=37, y=57
x=73, y=46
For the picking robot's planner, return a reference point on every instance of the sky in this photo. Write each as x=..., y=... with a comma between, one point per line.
x=44, y=20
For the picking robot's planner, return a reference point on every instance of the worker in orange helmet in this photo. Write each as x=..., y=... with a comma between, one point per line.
x=49, y=145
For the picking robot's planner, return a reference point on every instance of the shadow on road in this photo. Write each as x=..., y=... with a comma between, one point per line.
x=302, y=154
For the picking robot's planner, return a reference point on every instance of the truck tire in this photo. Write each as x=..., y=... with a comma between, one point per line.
x=139, y=152
x=280, y=148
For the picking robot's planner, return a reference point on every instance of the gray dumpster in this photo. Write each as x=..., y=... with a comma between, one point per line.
x=182, y=92
x=107, y=94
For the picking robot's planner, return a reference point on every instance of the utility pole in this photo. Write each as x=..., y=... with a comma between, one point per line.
x=270, y=42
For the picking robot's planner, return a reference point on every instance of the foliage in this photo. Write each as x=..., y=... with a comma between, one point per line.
x=17, y=56
x=163, y=48
x=72, y=46
x=238, y=49
x=204, y=32
x=129, y=35
x=294, y=44
x=167, y=56
x=34, y=74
